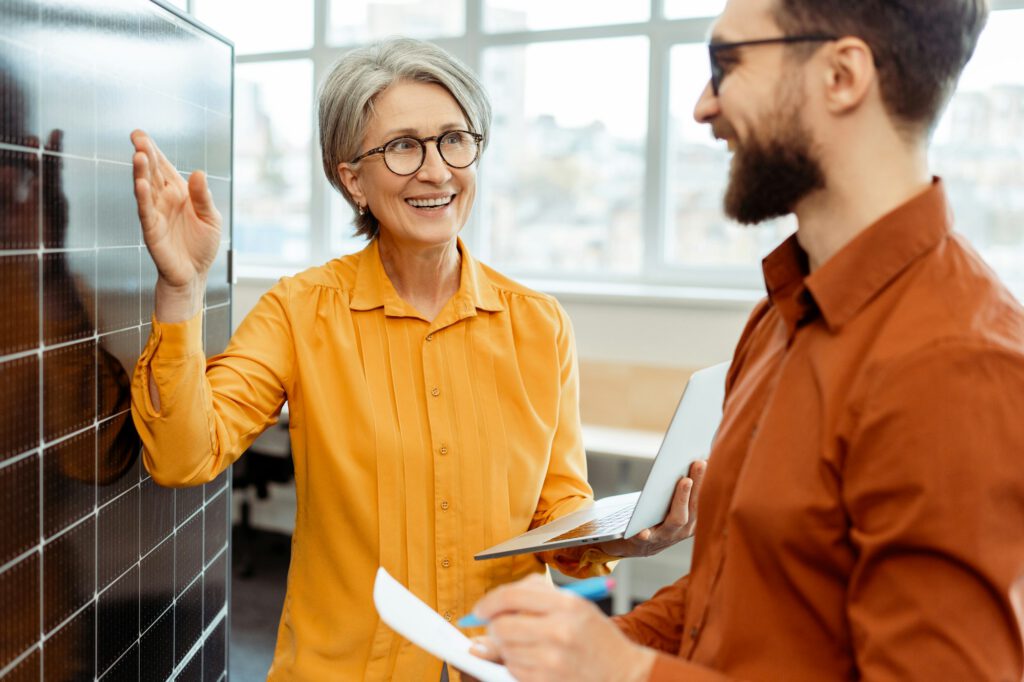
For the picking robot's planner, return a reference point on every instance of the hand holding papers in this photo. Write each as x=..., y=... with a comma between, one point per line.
x=414, y=620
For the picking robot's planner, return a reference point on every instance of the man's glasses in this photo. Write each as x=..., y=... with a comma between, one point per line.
x=405, y=155
x=718, y=70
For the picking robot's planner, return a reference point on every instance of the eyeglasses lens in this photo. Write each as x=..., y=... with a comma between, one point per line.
x=404, y=156
x=716, y=71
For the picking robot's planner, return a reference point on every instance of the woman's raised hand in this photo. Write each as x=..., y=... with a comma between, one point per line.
x=180, y=225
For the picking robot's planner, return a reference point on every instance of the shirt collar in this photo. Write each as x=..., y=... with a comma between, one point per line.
x=845, y=283
x=374, y=290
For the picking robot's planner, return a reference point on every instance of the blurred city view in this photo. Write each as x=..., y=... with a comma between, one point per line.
x=566, y=182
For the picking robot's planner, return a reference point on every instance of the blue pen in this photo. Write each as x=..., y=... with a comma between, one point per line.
x=591, y=588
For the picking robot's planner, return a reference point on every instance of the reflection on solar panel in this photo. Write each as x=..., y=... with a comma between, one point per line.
x=103, y=574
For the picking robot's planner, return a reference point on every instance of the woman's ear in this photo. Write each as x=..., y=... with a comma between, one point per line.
x=350, y=180
x=850, y=74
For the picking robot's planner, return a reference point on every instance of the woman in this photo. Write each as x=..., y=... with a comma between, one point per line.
x=433, y=402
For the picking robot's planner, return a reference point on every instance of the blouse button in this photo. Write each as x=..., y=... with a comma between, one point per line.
x=435, y=391
x=444, y=505
x=443, y=450
x=448, y=616
x=430, y=337
x=445, y=563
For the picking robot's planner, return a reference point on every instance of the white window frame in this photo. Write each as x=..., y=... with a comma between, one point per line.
x=656, y=280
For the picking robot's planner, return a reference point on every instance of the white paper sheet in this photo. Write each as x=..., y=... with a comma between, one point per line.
x=417, y=622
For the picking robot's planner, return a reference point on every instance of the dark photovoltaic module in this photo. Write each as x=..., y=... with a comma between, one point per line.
x=103, y=574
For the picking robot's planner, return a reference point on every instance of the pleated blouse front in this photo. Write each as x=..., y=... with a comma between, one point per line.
x=416, y=444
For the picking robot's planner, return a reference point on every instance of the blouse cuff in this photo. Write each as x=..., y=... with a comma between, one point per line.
x=175, y=340
x=581, y=562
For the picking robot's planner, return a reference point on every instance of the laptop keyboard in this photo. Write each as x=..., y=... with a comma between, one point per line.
x=614, y=522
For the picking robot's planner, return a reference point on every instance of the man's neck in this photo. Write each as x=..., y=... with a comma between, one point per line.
x=862, y=186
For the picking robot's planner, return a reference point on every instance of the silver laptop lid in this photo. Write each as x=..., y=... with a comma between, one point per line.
x=688, y=438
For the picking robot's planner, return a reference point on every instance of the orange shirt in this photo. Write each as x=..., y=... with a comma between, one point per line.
x=416, y=444
x=862, y=517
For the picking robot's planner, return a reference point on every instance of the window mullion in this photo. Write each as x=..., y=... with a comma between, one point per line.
x=654, y=177
x=319, y=208
x=476, y=233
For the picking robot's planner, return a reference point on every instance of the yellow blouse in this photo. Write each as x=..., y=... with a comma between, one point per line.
x=416, y=444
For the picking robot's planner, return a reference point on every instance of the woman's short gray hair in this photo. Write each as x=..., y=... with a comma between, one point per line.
x=347, y=95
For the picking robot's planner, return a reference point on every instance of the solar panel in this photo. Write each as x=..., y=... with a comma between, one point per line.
x=103, y=574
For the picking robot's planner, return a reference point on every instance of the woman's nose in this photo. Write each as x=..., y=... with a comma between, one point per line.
x=434, y=169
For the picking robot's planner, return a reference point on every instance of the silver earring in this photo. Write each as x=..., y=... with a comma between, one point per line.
x=362, y=210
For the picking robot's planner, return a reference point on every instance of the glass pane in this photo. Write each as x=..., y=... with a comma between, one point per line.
x=273, y=130
x=562, y=179
x=361, y=21
x=977, y=148
x=260, y=25
x=535, y=15
x=698, y=234
x=687, y=9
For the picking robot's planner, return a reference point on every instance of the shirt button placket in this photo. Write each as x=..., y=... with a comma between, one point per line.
x=446, y=590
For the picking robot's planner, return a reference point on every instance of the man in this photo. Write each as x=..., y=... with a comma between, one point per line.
x=862, y=517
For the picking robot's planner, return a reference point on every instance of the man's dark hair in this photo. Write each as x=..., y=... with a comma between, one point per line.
x=920, y=46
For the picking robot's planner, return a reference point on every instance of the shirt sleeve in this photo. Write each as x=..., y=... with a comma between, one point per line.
x=565, y=486
x=210, y=412
x=657, y=623
x=934, y=488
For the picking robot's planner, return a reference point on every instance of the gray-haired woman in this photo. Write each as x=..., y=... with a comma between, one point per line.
x=433, y=402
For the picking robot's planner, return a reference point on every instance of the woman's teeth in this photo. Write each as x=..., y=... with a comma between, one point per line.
x=430, y=203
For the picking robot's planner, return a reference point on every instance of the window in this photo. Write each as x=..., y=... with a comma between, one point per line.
x=595, y=169
x=978, y=150
x=563, y=178
x=273, y=138
x=684, y=9
x=538, y=15
x=358, y=21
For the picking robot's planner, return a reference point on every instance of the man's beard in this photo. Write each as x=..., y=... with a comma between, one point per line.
x=769, y=178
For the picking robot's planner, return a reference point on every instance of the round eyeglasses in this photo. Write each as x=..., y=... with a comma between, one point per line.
x=405, y=155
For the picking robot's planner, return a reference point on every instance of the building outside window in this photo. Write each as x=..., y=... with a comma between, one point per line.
x=596, y=172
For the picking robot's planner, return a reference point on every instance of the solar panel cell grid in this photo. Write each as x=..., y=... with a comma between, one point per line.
x=103, y=574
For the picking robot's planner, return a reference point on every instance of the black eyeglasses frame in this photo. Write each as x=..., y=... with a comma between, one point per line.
x=718, y=73
x=477, y=137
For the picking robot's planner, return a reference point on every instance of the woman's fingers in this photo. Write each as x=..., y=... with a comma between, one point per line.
x=166, y=168
x=146, y=146
x=144, y=201
x=202, y=199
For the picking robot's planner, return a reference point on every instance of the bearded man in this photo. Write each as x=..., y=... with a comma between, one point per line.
x=862, y=516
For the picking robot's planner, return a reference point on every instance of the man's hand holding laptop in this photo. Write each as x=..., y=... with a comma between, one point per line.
x=678, y=524
x=533, y=599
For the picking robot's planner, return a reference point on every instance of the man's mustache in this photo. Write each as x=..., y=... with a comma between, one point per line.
x=721, y=130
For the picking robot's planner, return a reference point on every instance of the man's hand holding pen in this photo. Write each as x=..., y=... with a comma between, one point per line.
x=542, y=633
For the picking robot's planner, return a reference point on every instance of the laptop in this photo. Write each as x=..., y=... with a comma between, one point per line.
x=688, y=438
